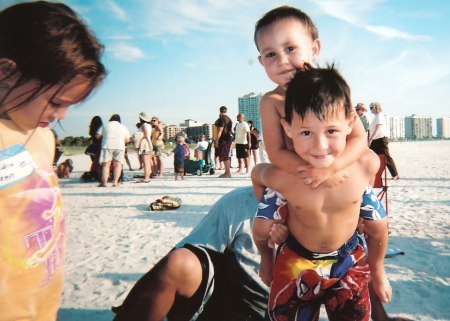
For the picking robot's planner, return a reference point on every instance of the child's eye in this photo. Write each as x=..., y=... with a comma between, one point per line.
x=288, y=49
x=56, y=105
x=306, y=133
x=270, y=55
x=331, y=131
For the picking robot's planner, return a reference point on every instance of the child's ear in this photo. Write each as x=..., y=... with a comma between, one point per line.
x=260, y=60
x=8, y=72
x=351, y=123
x=316, y=46
x=286, y=127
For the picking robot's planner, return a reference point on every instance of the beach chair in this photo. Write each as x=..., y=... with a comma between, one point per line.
x=381, y=182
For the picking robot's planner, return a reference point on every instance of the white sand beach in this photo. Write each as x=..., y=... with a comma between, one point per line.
x=113, y=239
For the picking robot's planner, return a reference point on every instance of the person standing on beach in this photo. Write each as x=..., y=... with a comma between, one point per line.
x=49, y=61
x=242, y=141
x=378, y=141
x=158, y=147
x=224, y=140
x=96, y=167
x=180, y=154
x=146, y=147
x=361, y=110
x=114, y=136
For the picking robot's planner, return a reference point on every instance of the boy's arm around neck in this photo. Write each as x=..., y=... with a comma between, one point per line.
x=273, y=136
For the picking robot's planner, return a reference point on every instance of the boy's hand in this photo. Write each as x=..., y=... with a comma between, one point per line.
x=278, y=234
x=314, y=176
x=381, y=286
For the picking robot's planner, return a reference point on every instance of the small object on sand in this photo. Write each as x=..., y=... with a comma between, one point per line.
x=392, y=251
x=165, y=203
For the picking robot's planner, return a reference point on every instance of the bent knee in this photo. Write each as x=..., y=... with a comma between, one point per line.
x=185, y=267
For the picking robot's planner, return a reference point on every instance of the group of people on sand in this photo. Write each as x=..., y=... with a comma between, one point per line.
x=108, y=148
x=245, y=137
x=310, y=197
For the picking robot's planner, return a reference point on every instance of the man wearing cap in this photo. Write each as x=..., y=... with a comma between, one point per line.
x=360, y=110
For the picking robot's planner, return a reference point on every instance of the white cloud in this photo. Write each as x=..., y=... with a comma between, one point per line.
x=119, y=13
x=189, y=65
x=354, y=11
x=126, y=52
x=388, y=32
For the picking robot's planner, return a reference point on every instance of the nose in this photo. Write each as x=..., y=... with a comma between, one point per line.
x=320, y=143
x=60, y=113
x=282, y=59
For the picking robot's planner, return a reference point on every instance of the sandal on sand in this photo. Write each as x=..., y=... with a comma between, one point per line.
x=142, y=181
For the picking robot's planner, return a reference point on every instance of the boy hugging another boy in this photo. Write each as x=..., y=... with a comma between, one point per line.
x=323, y=259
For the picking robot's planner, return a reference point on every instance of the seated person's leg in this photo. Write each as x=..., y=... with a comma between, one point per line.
x=179, y=274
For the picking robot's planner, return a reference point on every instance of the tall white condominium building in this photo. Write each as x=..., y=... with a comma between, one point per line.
x=443, y=127
x=249, y=106
x=417, y=127
x=396, y=127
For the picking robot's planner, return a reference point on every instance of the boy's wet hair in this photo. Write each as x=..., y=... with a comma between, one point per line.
x=285, y=12
x=319, y=90
x=49, y=43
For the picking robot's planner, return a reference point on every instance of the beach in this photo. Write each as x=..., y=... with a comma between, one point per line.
x=113, y=238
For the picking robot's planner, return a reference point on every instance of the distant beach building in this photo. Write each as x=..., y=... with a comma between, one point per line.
x=249, y=106
x=443, y=127
x=417, y=127
x=192, y=128
x=396, y=126
x=172, y=130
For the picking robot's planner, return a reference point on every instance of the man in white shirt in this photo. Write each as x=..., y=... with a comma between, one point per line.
x=242, y=141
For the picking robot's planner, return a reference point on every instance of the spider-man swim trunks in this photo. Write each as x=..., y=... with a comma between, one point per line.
x=303, y=280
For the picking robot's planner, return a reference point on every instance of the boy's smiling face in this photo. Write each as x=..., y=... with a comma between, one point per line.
x=284, y=46
x=319, y=141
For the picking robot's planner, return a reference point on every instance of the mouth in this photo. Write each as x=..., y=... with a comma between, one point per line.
x=319, y=156
x=288, y=71
x=43, y=124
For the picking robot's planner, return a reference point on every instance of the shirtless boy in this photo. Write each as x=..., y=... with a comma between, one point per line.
x=323, y=260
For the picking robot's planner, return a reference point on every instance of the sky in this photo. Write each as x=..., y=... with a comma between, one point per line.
x=183, y=59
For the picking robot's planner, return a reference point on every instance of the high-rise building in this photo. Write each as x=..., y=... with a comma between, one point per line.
x=192, y=128
x=417, y=127
x=249, y=106
x=396, y=127
x=443, y=127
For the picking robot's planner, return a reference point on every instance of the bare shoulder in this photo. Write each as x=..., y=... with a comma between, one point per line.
x=273, y=101
x=370, y=162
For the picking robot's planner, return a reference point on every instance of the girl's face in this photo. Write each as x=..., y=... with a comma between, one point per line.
x=47, y=106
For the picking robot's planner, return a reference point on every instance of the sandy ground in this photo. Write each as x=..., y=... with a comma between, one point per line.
x=113, y=238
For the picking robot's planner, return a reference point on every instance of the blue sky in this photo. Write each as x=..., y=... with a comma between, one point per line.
x=180, y=59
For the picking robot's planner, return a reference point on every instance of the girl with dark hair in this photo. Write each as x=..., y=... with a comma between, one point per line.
x=49, y=61
x=96, y=147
